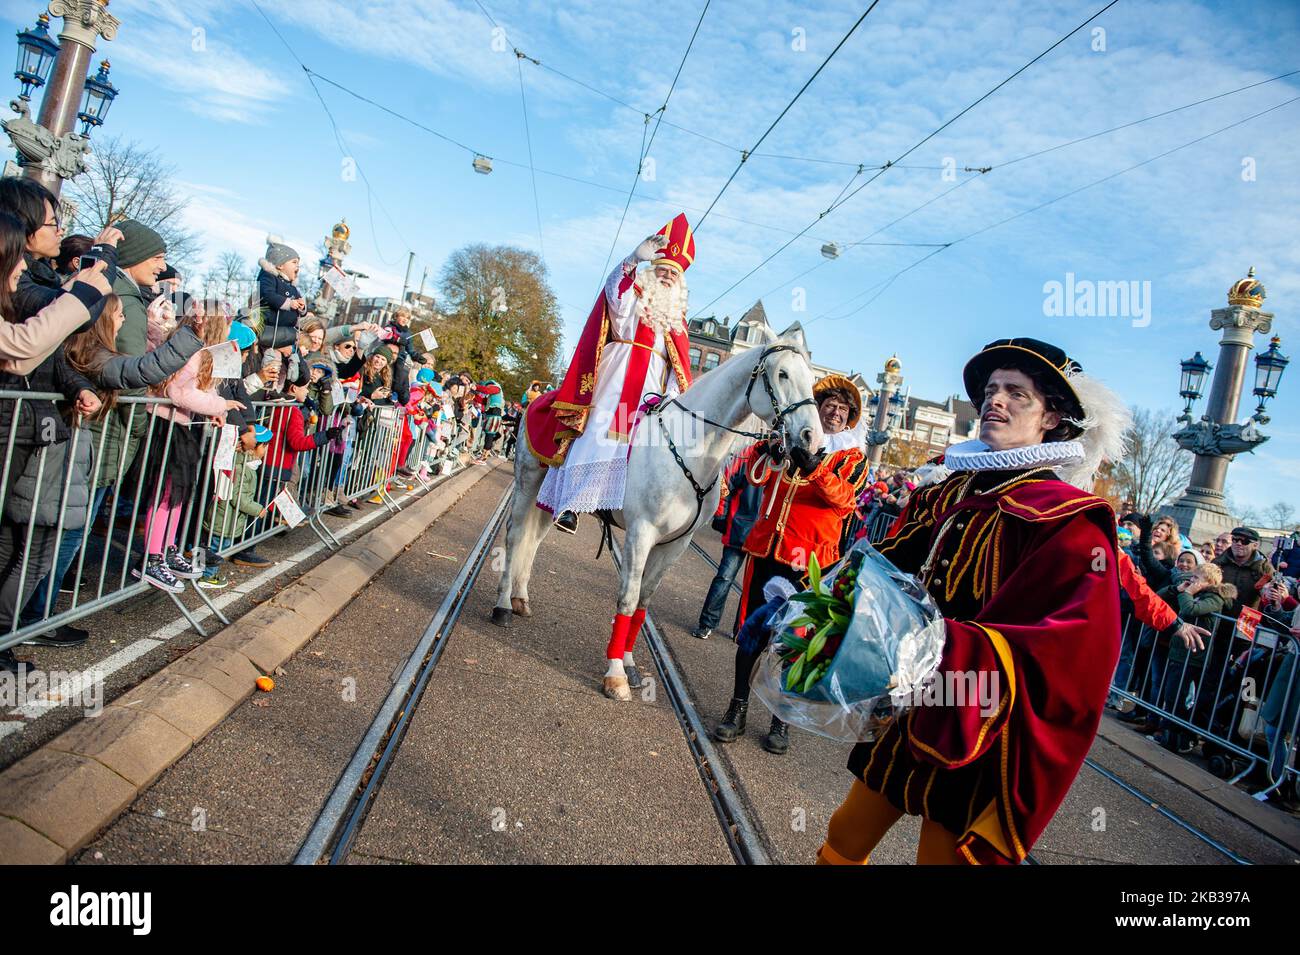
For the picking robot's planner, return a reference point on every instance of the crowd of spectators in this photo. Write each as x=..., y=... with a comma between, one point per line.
x=1231, y=676
x=123, y=461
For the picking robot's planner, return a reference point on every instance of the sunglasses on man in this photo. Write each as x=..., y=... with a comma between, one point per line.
x=1242, y=540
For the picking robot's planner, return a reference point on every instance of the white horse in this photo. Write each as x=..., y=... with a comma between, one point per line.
x=663, y=505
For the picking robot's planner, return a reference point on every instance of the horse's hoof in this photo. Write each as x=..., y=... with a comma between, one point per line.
x=501, y=616
x=518, y=605
x=616, y=688
x=634, y=680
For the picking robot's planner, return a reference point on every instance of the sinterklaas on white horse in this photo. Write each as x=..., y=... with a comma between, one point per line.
x=674, y=457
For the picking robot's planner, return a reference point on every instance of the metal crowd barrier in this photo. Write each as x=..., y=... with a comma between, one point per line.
x=876, y=524
x=1220, y=695
x=104, y=556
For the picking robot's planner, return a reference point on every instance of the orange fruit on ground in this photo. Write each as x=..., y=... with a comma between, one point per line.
x=265, y=684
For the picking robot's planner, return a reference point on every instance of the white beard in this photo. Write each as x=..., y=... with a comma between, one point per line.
x=663, y=309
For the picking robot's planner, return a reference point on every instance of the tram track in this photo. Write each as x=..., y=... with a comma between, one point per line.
x=336, y=828
x=331, y=837
x=1147, y=799
x=738, y=825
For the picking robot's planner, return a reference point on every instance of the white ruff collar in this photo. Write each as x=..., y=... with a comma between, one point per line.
x=975, y=455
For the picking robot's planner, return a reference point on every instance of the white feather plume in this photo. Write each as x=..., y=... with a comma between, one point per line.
x=1105, y=427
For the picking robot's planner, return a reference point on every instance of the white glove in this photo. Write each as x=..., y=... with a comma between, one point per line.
x=650, y=247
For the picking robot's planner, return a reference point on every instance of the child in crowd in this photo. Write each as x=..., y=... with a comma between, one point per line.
x=171, y=467
x=236, y=505
x=1197, y=597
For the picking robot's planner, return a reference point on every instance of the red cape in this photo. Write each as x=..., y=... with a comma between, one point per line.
x=555, y=419
x=1041, y=558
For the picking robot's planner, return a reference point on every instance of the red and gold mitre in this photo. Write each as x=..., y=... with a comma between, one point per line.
x=680, y=251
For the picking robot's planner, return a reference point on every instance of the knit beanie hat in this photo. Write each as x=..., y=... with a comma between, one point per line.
x=139, y=242
x=277, y=253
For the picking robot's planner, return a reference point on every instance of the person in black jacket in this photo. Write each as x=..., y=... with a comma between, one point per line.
x=93, y=353
x=27, y=426
x=737, y=512
x=278, y=294
x=399, y=333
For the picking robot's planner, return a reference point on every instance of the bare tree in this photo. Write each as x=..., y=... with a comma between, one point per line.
x=1155, y=468
x=125, y=180
x=1280, y=515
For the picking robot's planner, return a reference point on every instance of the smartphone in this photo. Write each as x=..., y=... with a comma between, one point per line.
x=87, y=262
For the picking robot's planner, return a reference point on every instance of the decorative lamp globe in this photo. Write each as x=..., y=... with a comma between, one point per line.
x=96, y=99
x=1268, y=370
x=1192, y=382
x=36, y=53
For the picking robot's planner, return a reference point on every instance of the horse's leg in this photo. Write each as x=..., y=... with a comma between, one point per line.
x=525, y=528
x=661, y=557
x=637, y=542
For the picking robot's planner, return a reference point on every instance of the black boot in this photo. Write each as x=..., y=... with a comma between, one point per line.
x=567, y=521
x=777, y=740
x=733, y=723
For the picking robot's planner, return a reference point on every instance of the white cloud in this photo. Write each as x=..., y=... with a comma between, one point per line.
x=184, y=50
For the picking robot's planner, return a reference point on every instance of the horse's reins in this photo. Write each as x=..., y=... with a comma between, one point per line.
x=759, y=372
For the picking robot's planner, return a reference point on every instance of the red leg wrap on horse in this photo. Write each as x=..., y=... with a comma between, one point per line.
x=618, y=638
x=638, y=618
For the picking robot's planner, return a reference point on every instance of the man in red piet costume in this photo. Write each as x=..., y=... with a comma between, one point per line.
x=1022, y=563
x=633, y=345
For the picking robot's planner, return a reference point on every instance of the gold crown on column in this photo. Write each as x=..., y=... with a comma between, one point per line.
x=1248, y=291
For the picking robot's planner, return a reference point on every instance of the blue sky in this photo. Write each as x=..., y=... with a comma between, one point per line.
x=213, y=88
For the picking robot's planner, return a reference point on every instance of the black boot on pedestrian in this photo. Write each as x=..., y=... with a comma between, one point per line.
x=777, y=740
x=11, y=664
x=733, y=723
x=567, y=522
x=63, y=636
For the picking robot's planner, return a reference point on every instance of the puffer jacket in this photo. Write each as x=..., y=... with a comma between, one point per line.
x=38, y=286
x=124, y=428
x=237, y=502
x=1197, y=609
x=38, y=422
x=1248, y=578
x=273, y=291
x=123, y=372
x=38, y=504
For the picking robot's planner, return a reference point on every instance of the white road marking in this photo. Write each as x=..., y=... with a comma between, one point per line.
x=71, y=689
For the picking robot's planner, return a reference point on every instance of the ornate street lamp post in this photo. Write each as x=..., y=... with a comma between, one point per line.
x=48, y=149
x=337, y=248
x=1202, y=511
x=890, y=381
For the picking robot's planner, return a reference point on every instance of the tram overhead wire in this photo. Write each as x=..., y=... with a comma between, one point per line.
x=842, y=199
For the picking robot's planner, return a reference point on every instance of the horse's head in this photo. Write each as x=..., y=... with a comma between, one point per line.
x=780, y=392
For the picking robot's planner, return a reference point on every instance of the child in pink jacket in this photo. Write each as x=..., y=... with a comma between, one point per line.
x=174, y=457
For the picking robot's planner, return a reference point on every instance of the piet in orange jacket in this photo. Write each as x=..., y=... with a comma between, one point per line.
x=804, y=516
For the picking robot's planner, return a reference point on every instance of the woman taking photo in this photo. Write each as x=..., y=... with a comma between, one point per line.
x=28, y=426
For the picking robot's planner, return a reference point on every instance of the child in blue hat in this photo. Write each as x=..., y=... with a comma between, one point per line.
x=236, y=507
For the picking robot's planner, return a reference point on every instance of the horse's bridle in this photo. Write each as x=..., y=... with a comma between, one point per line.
x=759, y=372
x=778, y=426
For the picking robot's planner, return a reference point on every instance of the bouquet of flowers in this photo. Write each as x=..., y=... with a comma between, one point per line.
x=851, y=651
